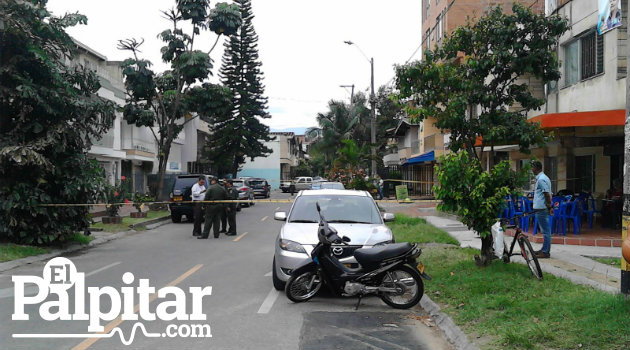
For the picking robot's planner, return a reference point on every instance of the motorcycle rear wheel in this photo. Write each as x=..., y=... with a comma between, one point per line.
x=409, y=280
x=297, y=288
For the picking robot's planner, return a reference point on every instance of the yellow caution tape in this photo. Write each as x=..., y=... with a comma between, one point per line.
x=108, y=205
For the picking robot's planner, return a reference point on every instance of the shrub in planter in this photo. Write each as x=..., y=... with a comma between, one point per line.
x=139, y=199
x=116, y=196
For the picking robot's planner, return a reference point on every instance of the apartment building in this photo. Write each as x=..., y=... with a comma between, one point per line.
x=585, y=109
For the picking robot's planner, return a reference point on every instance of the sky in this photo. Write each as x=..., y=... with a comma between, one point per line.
x=301, y=45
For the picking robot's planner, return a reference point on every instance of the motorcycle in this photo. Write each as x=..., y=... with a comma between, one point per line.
x=389, y=271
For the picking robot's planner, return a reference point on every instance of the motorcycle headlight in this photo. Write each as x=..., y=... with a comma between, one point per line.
x=291, y=246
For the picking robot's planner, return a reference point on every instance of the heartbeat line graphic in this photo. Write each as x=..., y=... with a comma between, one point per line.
x=98, y=335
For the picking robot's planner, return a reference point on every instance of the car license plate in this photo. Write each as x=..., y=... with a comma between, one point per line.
x=177, y=198
x=420, y=268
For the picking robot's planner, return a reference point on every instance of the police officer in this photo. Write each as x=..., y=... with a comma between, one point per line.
x=224, y=213
x=215, y=192
x=231, y=208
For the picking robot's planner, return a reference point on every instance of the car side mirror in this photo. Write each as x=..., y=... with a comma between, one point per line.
x=280, y=216
x=388, y=217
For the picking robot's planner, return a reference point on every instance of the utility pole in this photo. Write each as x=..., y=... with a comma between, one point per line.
x=373, y=118
x=625, y=268
x=372, y=108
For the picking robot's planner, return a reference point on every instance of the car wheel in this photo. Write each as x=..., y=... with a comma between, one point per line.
x=278, y=284
x=176, y=218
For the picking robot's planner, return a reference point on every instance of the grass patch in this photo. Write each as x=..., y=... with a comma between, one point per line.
x=616, y=262
x=417, y=230
x=504, y=302
x=80, y=238
x=130, y=221
x=9, y=251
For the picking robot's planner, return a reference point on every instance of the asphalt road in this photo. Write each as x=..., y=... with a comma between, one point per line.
x=243, y=312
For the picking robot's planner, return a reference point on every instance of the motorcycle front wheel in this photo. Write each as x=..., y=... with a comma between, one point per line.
x=409, y=285
x=303, y=286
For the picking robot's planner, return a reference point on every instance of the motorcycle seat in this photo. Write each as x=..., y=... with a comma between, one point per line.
x=369, y=256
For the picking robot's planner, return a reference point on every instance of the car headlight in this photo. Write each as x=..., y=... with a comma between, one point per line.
x=384, y=242
x=291, y=246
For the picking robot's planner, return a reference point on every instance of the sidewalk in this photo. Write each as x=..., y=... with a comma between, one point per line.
x=567, y=261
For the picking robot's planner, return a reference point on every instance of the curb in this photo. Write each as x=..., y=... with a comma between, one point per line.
x=452, y=332
x=151, y=224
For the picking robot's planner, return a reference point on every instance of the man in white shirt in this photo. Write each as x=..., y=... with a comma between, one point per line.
x=198, y=191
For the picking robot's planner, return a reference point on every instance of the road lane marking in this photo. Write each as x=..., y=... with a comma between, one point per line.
x=102, y=269
x=115, y=323
x=269, y=300
x=263, y=219
x=278, y=208
x=32, y=290
x=268, y=274
x=241, y=236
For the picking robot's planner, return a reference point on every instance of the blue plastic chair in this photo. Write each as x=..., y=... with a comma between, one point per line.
x=526, y=207
x=572, y=212
x=588, y=208
x=556, y=203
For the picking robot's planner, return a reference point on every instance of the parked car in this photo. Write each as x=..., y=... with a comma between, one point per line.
x=181, y=192
x=260, y=186
x=303, y=183
x=245, y=191
x=285, y=185
x=352, y=213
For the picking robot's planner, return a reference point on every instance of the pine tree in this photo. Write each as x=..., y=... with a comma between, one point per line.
x=241, y=134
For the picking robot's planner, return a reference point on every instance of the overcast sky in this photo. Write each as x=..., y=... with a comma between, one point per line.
x=300, y=44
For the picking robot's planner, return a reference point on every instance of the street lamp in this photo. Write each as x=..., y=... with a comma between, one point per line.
x=372, y=107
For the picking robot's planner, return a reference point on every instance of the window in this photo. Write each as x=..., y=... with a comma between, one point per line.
x=438, y=24
x=427, y=42
x=583, y=58
x=585, y=173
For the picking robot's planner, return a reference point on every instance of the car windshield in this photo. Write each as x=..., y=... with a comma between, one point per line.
x=184, y=184
x=257, y=182
x=336, y=208
x=237, y=183
x=332, y=185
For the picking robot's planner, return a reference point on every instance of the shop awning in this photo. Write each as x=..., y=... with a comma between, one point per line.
x=615, y=117
x=427, y=157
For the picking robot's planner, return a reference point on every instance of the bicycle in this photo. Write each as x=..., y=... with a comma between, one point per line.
x=526, y=249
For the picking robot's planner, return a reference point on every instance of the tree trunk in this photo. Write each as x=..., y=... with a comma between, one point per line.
x=487, y=251
x=163, y=160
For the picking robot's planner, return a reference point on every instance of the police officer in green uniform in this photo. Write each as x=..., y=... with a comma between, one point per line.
x=231, y=208
x=215, y=192
x=224, y=213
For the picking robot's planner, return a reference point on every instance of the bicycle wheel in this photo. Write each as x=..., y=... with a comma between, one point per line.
x=530, y=257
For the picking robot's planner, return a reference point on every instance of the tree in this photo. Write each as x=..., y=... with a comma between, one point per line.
x=482, y=67
x=163, y=101
x=49, y=115
x=387, y=117
x=240, y=134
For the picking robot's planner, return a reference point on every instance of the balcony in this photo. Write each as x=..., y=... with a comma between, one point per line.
x=106, y=141
x=391, y=159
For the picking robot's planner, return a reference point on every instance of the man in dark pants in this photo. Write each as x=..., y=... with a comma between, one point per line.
x=197, y=195
x=231, y=208
x=224, y=214
x=213, y=210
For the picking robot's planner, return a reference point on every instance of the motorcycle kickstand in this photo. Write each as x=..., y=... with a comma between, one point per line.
x=358, y=302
